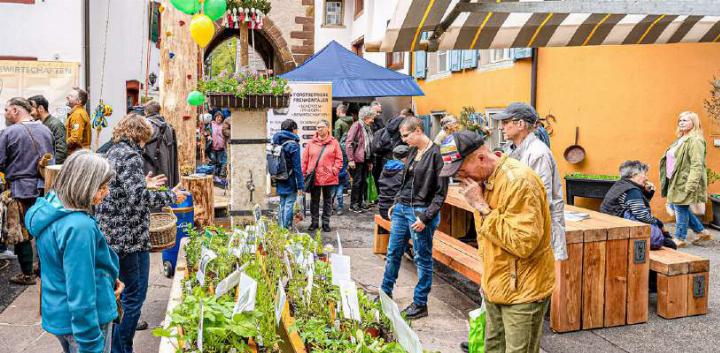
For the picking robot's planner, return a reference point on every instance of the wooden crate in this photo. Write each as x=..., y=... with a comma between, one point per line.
x=682, y=283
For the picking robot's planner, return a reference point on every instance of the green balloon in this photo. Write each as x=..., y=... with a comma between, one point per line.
x=189, y=7
x=215, y=9
x=195, y=98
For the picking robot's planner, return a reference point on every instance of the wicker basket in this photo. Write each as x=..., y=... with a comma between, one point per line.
x=163, y=230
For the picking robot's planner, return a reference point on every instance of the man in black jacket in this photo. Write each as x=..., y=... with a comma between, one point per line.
x=160, y=153
x=416, y=214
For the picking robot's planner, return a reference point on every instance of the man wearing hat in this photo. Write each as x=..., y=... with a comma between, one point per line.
x=512, y=218
x=517, y=122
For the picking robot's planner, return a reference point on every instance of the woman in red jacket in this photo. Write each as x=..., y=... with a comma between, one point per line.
x=323, y=156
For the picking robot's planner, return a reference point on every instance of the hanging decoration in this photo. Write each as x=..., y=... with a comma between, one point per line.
x=202, y=29
x=195, y=98
x=215, y=9
x=247, y=12
x=189, y=7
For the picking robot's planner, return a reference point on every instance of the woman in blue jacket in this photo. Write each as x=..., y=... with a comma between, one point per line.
x=79, y=272
x=293, y=187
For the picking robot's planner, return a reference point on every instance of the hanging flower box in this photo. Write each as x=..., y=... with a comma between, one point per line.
x=252, y=101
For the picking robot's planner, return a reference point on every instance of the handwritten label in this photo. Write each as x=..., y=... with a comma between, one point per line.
x=206, y=255
x=349, y=299
x=280, y=301
x=246, y=297
x=229, y=282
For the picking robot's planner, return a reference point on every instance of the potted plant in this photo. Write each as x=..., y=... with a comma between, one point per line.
x=246, y=90
x=712, y=107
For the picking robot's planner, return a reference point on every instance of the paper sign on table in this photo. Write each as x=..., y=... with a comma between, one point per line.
x=248, y=292
x=340, y=266
x=349, y=299
x=280, y=302
x=206, y=255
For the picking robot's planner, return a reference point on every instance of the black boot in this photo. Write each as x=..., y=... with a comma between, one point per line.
x=326, y=228
x=312, y=228
x=465, y=346
x=413, y=311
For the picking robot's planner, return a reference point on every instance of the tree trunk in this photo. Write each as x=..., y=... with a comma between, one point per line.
x=202, y=190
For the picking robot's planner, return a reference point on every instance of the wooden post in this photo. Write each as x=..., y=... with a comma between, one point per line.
x=593, y=284
x=202, y=190
x=243, y=44
x=51, y=173
x=178, y=77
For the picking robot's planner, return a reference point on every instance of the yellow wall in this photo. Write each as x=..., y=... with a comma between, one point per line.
x=624, y=99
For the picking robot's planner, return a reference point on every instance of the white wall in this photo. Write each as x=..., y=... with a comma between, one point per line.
x=126, y=54
x=324, y=35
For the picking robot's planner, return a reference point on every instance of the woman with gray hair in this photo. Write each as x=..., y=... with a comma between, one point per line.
x=124, y=218
x=630, y=198
x=449, y=124
x=359, y=154
x=79, y=272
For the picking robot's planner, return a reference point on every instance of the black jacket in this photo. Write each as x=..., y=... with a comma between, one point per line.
x=160, y=154
x=388, y=185
x=429, y=189
x=388, y=138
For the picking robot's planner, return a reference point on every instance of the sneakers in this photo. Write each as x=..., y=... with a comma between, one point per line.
x=703, y=236
x=141, y=326
x=356, y=209
x=7, y=255
x=23, y=279
x=326, y=228
x=414, y=312
x=339, y=211
x=680, y=243
x=312, y=228
x=366, y=206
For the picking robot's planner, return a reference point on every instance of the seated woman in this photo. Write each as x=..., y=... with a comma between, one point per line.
x=630, y=198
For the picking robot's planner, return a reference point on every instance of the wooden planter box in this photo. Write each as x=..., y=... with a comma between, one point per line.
x=262, y=101
x=591, y=188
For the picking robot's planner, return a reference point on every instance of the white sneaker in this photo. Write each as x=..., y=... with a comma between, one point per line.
x=7, y=255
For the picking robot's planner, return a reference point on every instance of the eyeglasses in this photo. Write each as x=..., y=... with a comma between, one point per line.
x=406, y=135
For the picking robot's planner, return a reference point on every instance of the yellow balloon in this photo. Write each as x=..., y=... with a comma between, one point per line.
x=202, y=29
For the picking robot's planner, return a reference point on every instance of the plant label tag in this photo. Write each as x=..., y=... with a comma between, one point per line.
x=201, y=327
x=257, y=213
x=340, y=266
x=229, y=282
x=308, y=288
x=206, y=255
x=246, y=297
x=349, y=299
x=280, y=302
x=289, y=268
x=407, y=338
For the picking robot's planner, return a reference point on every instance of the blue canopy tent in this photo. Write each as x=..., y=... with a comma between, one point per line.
x=352, y=76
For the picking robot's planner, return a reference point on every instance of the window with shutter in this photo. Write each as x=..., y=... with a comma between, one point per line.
x=469, y=59
x=455, y=60
x=521, y=53
x=420, y=64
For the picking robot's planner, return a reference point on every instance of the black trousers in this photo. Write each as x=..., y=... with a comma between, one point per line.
x=328, y=192
x=359, y=184
x=24, y=249
x=378, y=164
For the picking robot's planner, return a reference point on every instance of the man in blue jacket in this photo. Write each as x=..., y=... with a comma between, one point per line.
x=293, y=187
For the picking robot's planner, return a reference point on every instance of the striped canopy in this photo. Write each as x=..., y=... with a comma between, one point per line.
x=548, y=23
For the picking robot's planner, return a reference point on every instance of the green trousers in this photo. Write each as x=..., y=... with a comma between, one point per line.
x=514, y=328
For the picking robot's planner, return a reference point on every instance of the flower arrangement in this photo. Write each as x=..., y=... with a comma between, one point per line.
x=244, y=84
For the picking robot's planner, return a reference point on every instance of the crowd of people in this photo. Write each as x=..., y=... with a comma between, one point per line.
x=91, y=229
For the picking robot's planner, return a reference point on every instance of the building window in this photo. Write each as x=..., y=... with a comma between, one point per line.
x=359, y=6
x=395, y=61
x=358, y=46
x=333, y=13
x=498, y=55
x=497, y=139
x=442, y=58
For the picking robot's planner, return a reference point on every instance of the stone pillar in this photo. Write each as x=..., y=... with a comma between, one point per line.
x=248, y=164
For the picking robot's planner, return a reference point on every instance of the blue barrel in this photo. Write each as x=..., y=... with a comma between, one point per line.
x=185, y=218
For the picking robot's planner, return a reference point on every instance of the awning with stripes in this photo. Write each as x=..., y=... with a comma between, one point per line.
x=478, y=24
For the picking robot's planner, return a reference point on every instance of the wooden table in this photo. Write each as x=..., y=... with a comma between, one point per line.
x=604, y=281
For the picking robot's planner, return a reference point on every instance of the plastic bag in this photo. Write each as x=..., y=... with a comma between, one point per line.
x=372, y=193
x=476, y=336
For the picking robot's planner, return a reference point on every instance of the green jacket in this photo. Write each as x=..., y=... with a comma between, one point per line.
x=688, y=184
x=58, y=132
x=342, y=126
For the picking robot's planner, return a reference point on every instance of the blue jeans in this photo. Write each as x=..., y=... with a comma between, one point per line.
x=134, y=272
x=219, y=158
x=683, y=218
x=403, y=216
x=285, y=212
x=69, y=345
x=339, y=195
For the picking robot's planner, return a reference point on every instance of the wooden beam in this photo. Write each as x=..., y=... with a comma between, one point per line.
x=680, y=8
x=434, y=40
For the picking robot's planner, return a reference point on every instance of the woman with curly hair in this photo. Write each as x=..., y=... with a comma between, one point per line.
x=124, y=217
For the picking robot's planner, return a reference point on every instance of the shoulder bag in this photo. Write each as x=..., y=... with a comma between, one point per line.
x=310, y=177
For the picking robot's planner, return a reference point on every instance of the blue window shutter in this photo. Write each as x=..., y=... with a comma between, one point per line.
x=420, y=64
x=427, y=123
x=521, y=53
x=469, y=59
x=456, y=60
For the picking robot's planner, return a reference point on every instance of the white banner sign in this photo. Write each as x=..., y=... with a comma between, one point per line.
x=310, y=103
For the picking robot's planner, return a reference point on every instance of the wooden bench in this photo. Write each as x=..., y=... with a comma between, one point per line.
x=682, y=283
x=447, y=250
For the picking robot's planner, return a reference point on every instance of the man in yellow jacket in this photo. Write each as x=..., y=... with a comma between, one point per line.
x=77, y=126
x=513, y=223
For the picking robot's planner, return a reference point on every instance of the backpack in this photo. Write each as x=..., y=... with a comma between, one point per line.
x=384, y=142
x=277, y=164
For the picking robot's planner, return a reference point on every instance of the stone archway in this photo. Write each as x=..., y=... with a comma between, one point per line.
x=269, y=43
